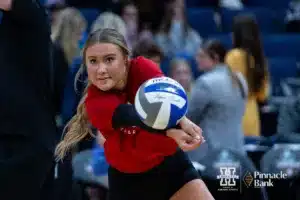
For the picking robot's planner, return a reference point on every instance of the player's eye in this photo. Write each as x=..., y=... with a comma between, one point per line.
x=93, y=61
x=109, y=59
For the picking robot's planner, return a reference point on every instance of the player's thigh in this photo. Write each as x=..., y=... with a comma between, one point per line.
x=193, y=190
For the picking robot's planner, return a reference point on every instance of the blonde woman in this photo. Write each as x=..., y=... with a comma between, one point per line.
x=180, y=70
x=141, y=160
x=67, y=31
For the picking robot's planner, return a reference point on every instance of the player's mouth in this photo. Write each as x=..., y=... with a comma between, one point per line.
x=103, y=79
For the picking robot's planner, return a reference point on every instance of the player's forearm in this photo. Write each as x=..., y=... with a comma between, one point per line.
x=125, y=116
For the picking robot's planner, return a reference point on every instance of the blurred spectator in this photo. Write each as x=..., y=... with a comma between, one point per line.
x=231, y=4
x=54, y=10
x=135, y=31
x=175, y=35
x=292, y=18
x=67, y=32
x=248, y=58
x=217, y=102
x=110, y=20
x=148, y=49
x=68, y=28
x=288, y=126
x=180, y=70
x=151, y=13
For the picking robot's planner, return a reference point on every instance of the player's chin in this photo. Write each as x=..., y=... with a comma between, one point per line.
x=105, y=87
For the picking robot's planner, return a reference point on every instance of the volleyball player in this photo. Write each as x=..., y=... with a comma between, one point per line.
x=144, y=163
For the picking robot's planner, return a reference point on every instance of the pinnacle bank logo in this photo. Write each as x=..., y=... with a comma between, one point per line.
x=259, y=179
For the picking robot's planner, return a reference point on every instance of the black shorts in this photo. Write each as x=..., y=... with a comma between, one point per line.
x=159, y=183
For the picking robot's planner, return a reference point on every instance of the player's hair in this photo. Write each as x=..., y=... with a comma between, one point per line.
x=78, y=127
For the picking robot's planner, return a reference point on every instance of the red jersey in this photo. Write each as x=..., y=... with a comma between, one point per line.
x=131, y=149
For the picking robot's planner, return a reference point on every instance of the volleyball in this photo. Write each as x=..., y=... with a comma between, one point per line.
x=161, y=103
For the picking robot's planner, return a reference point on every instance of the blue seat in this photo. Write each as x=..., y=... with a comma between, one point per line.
x=281, y=68
x=265, y=18
x=90, y=15
x=202, y=20
x=280, y=45
x=268, y=4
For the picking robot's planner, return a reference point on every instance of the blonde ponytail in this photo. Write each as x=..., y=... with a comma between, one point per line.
x=76, y=130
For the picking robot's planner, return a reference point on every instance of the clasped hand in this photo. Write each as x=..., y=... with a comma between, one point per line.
x=189, y=137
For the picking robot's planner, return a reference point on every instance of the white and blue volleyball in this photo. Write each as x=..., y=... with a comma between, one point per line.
x=161, y=103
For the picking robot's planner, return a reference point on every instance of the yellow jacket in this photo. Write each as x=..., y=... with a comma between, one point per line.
x=236, y=60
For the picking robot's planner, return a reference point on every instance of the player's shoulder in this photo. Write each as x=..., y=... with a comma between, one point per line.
x=141, y=61
x=141, y=65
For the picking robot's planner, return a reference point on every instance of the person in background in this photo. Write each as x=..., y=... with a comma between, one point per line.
x=110, y=20
x=248, y=58
x=231, y=4
x=135, y=30
x=288, y=127
x=148, y=49
x=54, y=10
x=217, y=102
x=180, y=70
x=292, y=18
x=68, y=30
x=129, y=14
x=27, y=125
x=67, y=33
x=175, y=34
